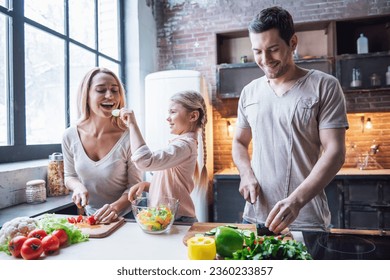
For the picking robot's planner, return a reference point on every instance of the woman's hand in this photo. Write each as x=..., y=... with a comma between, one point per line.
x=80, y=196
x=106, y=214
x=137, y=190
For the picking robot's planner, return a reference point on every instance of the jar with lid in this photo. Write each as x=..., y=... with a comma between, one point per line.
x=36, y=191
x=55, y=175
x=375, y=80
x=356, y=79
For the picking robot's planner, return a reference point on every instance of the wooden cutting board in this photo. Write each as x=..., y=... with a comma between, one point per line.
x=197, y=228
x=100, y=230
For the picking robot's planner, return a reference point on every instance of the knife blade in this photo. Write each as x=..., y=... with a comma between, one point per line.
x=263, y=230
x=81, y=211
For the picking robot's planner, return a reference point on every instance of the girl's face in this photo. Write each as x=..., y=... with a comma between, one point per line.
x=180, y=120
x=103, y=95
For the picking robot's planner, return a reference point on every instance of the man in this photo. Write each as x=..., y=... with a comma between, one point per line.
x=297, y=121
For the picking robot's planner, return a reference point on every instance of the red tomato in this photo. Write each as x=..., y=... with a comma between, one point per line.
x=72, y=220
x=61, y=235
x=31, y=249
x=50, y=244
x=91, y=220
x=79, y=219
x=37, y=233
x=15, y=245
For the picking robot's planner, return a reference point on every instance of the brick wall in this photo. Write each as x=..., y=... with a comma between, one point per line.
x=187, y=40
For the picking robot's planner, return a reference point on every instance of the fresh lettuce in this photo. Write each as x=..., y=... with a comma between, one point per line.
x=51, y=222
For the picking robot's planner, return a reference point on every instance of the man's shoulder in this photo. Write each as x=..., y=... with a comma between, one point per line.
x=320, y=75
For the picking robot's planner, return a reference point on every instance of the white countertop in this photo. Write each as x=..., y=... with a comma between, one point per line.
x=343, y=171
x=128, y=242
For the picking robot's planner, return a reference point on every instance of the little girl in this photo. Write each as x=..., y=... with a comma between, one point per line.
x=176, y=165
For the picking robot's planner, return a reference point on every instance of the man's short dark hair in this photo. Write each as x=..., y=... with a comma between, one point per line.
x=274, y=17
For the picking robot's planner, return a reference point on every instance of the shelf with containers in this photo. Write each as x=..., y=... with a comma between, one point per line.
x=373, y=65
x=236, y=66
x=235, y=61
x=329, y=46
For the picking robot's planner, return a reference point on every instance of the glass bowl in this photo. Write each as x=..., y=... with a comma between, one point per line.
x=155, y=219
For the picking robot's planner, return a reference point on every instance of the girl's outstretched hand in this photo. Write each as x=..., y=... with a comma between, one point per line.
x=127, y=116
x=137, y=190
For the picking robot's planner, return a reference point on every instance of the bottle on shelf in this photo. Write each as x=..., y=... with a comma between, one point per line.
x=356, y=79
x=388, y=76
x=362, y=44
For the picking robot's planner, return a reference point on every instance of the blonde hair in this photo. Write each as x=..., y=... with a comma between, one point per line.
x=83, y=110
x=192, y=100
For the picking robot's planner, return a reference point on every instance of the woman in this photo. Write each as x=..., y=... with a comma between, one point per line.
x=98, y=168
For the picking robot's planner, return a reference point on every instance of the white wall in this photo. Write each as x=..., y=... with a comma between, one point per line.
x=141, y=54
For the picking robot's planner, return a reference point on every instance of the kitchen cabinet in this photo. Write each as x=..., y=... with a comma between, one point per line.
x=329, y=46
x=360, y=202
x=232, y=78
x=228, y=203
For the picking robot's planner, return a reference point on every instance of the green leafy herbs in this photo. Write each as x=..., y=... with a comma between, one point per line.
x=50, y=222
x=271, y=248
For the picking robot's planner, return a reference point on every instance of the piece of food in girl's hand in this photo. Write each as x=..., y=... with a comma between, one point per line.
x=116, y=112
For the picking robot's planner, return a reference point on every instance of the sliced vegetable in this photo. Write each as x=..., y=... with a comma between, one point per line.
x=155, y=219
x=228, y=240
x=201, y=248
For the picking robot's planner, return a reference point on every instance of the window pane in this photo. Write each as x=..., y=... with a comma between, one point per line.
x=4, y=3
x=3, y=81
x=49, y=13
x=81, y=61
x=108, y=28
x=114, y=67
x=82, y=21
x=45, y=105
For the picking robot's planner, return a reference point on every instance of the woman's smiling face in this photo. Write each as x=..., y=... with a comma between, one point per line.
x=103, y=95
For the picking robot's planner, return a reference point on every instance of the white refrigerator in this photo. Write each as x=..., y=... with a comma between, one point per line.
x=159, y=87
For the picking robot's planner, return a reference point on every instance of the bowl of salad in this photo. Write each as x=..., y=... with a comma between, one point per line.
x=155, y=218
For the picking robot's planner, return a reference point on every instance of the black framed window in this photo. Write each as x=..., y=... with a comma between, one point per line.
x=46, y=46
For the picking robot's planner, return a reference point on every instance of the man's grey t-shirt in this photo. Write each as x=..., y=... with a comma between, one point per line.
x=286, y=143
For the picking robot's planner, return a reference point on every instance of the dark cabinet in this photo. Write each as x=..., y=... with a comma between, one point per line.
x=360, y=202
x=228, y=203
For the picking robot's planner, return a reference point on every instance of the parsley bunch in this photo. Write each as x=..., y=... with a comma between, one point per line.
x=271, y=248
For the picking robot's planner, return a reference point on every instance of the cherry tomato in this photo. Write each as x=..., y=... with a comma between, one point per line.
x=79, y=219
x=50, y=244
x=91, y=220
x=61, y=235
x=31, y=249
x=37, y=233
x=15, y=245
x=72, y=220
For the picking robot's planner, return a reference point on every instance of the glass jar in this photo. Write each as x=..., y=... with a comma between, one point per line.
x=36, y=191
x=356, y=79
x=375, y=80
x=55, y=175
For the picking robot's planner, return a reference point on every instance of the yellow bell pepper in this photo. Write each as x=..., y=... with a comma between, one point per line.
x=201, y=248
